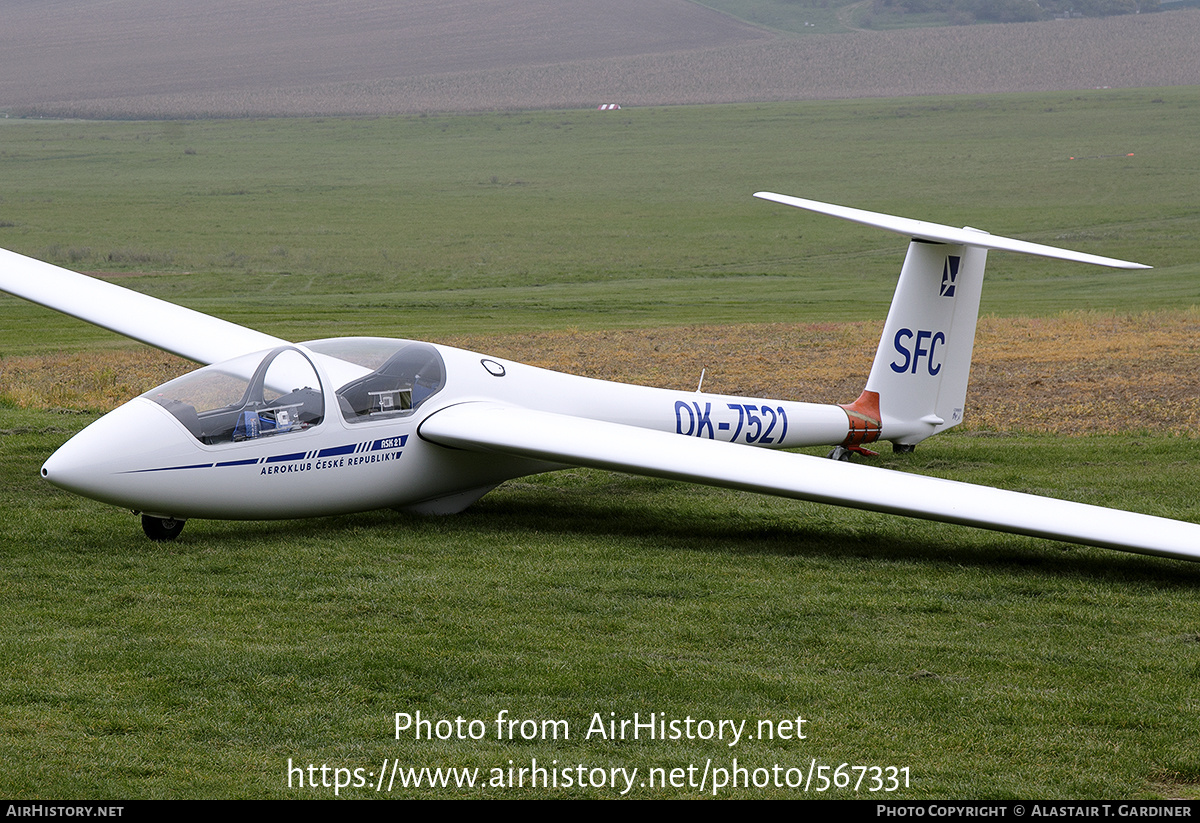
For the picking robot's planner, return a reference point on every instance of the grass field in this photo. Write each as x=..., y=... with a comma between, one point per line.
x=603, y=219
x=987, y=665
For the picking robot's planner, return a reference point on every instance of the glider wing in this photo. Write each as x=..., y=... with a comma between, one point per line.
x=166, y=326
x=494, y=427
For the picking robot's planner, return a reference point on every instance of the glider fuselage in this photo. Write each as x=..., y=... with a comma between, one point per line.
x=154, y=457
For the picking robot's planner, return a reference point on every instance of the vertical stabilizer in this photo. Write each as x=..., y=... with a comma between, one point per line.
x=923, y=362
x=918, y=382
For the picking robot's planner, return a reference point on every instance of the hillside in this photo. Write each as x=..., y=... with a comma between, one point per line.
x=76, y=50
x=153, y=59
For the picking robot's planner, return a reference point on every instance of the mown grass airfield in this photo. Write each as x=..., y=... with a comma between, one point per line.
x=623, y=245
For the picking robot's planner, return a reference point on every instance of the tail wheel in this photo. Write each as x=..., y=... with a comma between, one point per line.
x=840, y=453
x=161, y=529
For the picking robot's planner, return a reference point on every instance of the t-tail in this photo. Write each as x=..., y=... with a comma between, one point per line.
x=918, y=381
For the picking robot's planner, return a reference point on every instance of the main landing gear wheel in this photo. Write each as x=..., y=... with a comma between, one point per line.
x=160, y=529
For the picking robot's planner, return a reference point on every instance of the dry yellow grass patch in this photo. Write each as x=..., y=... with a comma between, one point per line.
x=1076, y=373
x=90, y=380
x=1089, y=372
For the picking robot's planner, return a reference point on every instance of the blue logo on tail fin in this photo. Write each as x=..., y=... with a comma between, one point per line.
x=949, y=275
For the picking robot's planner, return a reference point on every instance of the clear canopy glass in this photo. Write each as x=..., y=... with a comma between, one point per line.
x=404, y=374
x=257, y=395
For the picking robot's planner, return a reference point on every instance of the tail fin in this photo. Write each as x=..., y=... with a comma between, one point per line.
x=923, y=362
x=918, y=382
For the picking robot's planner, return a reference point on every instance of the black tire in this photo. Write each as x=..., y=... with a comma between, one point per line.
x=161, y=530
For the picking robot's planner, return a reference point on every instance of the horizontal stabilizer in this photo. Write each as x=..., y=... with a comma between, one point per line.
x=937, y=233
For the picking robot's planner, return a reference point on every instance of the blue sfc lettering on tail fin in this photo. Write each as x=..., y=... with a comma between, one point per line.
x=925, y=348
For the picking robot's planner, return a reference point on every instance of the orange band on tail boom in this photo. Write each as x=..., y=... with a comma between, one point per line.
x=863, y=418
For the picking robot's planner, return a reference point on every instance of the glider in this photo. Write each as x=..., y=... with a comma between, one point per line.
x=275, y=429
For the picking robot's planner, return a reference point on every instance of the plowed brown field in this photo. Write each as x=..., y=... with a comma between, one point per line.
x=230, y=58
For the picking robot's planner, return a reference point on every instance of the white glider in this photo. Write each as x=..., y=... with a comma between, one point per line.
x=272, y=429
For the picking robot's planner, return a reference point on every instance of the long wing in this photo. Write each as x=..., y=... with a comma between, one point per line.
x=164, y=325
x=494, y=427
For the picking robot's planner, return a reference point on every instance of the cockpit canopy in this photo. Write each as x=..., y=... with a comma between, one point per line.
x=404, y=374
x=266, y=394
x=256, y=395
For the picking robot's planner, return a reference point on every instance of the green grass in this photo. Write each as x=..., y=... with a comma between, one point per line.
x=602, y=219
x=990, y=665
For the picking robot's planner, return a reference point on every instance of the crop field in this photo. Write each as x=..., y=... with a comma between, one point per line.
x=79, y=51
x=351, y=57
x=622, y=245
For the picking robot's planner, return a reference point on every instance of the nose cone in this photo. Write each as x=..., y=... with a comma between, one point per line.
x=118, y=459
